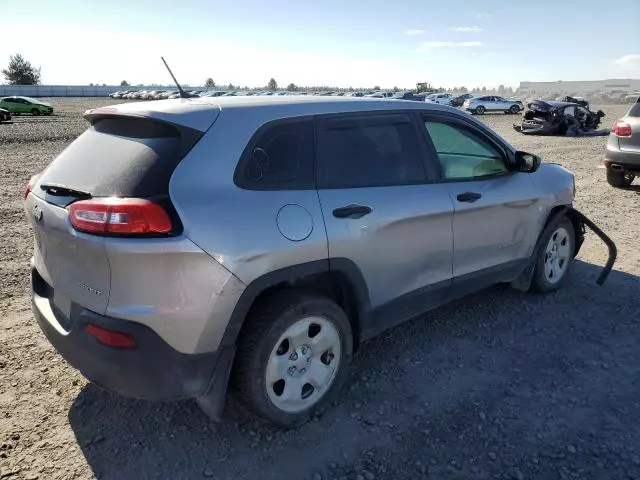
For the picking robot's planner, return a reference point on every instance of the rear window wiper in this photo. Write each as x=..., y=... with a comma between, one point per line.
x=62, y=191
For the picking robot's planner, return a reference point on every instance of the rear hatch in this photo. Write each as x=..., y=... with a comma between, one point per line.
x=128, y=154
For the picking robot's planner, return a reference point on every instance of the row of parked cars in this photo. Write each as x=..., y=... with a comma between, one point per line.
x=477, y=105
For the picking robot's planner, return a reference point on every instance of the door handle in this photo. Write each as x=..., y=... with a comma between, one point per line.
x=352, y=211
x=469, y=197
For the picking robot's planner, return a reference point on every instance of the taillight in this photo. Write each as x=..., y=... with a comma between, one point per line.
x=622, y=129
x=119, y=216
x=110, y=338
x=27, y=190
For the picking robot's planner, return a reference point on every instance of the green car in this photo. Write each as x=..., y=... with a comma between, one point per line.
x=19, y=105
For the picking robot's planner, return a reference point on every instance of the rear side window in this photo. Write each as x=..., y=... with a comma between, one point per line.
x=280, y=157
x=369, y=152
x=122, y=156
x=635, y=109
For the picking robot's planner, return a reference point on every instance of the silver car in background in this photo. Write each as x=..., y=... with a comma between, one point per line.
x=492, y=103
x=177, y=239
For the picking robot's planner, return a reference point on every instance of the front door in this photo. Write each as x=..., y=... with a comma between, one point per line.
x=496, y=209
x=382, y=214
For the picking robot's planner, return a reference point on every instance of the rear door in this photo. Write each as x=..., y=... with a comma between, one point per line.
x=383, y=214
x=116, y=157
x=495, y=209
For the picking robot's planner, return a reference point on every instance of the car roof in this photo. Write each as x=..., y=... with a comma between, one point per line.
x=198, y=112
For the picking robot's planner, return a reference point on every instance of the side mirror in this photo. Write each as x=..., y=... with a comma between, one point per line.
x=527, y=162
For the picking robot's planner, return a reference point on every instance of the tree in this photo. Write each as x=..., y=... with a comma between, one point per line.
x=292, y=87
x=272, y=85
x=377, y=87
x=124, y=83
x=209, y=83
x=231, y=86
x=484, y=89
x=501, y=90
x=509, y=90
x=464, y=90
x=21, y=72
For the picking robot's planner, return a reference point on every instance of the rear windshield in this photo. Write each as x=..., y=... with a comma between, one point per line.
x=132, y=157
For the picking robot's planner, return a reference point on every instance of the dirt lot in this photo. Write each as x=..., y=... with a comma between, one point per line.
x=500, y=385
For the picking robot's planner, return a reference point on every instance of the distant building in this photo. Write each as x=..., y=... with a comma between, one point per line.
x=580, y=87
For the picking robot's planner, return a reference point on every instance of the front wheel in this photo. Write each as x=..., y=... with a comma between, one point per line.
x=554, y=256
x=480, y=110
x=618, y=178
x=35, y=112
x=293, y=357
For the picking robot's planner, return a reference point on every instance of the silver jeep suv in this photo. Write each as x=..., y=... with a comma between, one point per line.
x=181, y=244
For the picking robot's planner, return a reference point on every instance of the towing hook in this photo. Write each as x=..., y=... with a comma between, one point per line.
x=613, y=251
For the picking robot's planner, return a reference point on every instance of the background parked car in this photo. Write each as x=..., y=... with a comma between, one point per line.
x=5, y=115
x=460, y=99
x=20, y=105
x=622, y=157
x=408, y=96
x=492, y=103
x=440, y=98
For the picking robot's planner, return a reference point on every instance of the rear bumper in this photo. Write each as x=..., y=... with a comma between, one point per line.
x=151, y=370
x=629, y=161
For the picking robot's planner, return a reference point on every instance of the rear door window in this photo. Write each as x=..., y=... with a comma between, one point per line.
x=280, y=157
x=371, y=151
x=122, y=156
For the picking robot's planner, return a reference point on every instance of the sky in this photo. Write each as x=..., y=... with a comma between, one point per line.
x=332, y=42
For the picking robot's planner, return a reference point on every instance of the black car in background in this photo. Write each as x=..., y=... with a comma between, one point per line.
x=5, y=115
x=459, y=100
x=416, y=97
x=570, y=119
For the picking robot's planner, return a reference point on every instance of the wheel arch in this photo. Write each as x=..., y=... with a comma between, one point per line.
x=339, y=279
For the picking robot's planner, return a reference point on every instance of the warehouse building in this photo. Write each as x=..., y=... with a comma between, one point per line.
x=580, y=87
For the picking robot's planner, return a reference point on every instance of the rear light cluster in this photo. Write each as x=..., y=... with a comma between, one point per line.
x=622, y=129
x=119, y=216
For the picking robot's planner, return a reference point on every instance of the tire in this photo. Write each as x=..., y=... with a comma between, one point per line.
x=35, y=112
x=270, y=364
x=514, y=109
x=554, y=256
x=480, y=110
x=619, y=179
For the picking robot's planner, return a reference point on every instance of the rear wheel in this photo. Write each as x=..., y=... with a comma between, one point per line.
x=35, y=112
x=618, y=178
x=480, y=110
x=514, y=109
x=292, y=357
x=554, y=256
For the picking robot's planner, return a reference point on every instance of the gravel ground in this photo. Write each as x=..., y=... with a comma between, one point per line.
x=502, y=384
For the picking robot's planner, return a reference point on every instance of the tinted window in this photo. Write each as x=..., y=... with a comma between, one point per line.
x=370, y=152
x=281, y=158
x=129, y=157
x=635, y=109
x=463, y=153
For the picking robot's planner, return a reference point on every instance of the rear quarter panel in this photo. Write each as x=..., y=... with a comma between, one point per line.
x=238, y=227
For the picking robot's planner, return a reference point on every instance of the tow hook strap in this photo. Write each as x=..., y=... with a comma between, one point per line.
x=613, y=251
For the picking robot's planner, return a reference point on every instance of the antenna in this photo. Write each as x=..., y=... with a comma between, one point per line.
x=183, y=94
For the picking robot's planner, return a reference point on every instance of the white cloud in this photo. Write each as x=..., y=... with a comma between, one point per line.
x=414, y=32
x=484, y=15
x=628, y=59
x=426, y=46
x=466, y=29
